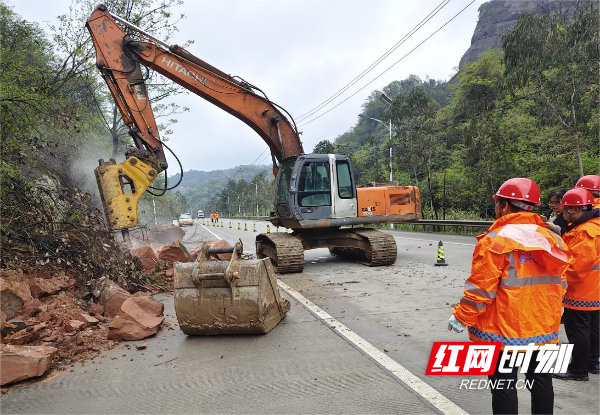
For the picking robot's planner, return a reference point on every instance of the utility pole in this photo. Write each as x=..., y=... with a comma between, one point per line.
x=255, y=184
x=391, y=175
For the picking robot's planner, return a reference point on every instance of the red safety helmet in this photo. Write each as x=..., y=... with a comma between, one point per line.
x=577, y=197
x=519, y=188
x=589, y=182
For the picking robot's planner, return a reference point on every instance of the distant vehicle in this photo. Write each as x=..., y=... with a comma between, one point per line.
x=186, y=219
x=200, y=214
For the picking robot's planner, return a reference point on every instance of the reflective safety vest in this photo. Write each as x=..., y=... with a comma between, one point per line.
x=514, y=292
x=583, y=274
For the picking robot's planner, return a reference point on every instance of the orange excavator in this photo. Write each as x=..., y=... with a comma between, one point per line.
x=316, y=194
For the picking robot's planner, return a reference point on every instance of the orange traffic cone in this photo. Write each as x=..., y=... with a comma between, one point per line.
x=441, y=257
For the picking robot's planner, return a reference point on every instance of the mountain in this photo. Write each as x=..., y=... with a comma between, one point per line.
x=496, y=17
x=199, y=187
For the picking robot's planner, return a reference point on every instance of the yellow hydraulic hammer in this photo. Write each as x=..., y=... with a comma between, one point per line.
x=121, y=186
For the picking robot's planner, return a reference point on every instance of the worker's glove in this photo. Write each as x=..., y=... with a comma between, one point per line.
x=554, y=228
x=454, y=324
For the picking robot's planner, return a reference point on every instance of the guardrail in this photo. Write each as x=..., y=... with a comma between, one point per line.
x=461, y=223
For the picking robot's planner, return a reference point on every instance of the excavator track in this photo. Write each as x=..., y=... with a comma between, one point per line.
x=285, y=250
x=380, y=249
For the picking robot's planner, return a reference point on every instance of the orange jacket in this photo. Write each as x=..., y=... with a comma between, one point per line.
x=583, y=274
x=212, y=215
x=216, y=216
x=514, y=292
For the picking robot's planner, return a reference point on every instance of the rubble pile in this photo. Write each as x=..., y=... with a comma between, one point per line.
x=51, y=316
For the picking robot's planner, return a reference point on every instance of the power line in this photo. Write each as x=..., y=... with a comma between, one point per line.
x=394, y=64
x=263, y=152
x=407, y=36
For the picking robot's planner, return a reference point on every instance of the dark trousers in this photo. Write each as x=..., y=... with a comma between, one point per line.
x=582, y=331
x=505, y=400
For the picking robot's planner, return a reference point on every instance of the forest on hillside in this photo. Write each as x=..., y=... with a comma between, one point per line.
x=528, y=109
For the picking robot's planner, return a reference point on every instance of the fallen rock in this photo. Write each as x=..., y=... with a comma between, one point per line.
x=96, y=309
x=41, y=287
x=24, y=362
x=13, y=275
x=140, y=317
x=31, y=308
x=173, y=252
x=220, y=244
x=87, y=319
x=14, y=294
x=111, y=298
x=12, y=326
x=146, y=257
x=156, y=248
x=29, y=334
x=73, y=326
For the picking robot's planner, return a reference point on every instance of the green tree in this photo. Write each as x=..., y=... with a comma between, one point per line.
x=324, y=147
x=555, y=58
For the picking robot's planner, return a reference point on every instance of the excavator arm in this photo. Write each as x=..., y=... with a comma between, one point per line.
x=120, y=57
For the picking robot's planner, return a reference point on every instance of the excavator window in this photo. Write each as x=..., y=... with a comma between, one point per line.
x=313, y=187
x=344, y=180
x=283, y=190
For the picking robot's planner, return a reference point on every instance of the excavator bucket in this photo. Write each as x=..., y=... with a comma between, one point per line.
x=227, y=297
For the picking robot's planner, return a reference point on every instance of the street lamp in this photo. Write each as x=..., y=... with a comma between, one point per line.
x=381, y=122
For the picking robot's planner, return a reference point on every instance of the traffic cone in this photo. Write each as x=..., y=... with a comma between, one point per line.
x=245, y=226
x=268, y=229
x=441, y=258
x=239, y=227
x=277, y=230
x=229, y=225
x=254, y=228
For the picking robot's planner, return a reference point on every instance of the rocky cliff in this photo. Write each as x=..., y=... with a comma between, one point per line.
x=498, y=16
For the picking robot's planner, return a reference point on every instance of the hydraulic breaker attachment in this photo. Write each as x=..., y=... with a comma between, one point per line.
x=227, y=297
x=121, y=186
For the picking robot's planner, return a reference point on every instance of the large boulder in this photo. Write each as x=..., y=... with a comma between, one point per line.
x=14, y=295
x=213, y=244
x=146, y=258
x=173, y=252
x=140, y=317
x=112, y=297
x=24, y=362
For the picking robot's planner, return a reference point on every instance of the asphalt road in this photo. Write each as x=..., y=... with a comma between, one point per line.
x=303, y=365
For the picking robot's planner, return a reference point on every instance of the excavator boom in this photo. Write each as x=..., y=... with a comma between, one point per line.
x=119, y=57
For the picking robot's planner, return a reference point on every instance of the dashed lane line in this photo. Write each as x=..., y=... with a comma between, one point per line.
x=439, y=401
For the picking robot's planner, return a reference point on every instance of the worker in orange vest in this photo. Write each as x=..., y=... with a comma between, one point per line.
x=591, y=182
x=212, y=217
x=514, y=292
x=217, y=217
x=582, y=300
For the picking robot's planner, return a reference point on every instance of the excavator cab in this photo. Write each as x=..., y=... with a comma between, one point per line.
x=315, y=187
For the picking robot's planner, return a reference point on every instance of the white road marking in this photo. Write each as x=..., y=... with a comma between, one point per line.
x=431, y=240
x=215, y=235
x=443, y=404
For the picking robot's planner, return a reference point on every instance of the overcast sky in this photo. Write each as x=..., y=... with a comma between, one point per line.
x=299, y=52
